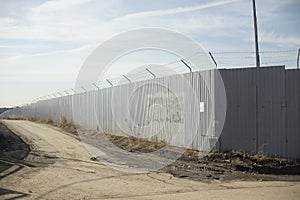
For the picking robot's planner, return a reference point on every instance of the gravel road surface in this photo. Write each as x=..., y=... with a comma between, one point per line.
x=59, y=167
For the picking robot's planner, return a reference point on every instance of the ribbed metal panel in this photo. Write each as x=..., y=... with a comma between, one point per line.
x=293, y=112
x=263, y=110
x=256, y=110
x=271, y=123
x=176, y=120
x=239, y=128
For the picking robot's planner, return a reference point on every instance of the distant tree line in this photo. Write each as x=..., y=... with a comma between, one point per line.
x=3, y=110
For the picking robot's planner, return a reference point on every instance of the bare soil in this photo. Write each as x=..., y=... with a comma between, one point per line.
x=233, y=165
x=63, y=123
x=58, y=166
x=201, y=166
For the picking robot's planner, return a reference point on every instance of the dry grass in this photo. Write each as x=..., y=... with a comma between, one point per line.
x=21, y=118
x=226, y=166
x=66, y=125
x=133, y=144
x=46, y=121
x=63, y=123
x=130, y=144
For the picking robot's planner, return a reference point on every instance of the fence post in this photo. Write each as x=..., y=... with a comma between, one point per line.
x=127, y=78
x=255, y=35
x=213, y=59
x=151, y=72
x=96, y=86
x=109, y=82
x=187, y=65
x=83, y=88
x=298, y=58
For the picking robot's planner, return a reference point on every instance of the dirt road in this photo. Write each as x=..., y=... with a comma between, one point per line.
x=59, y=167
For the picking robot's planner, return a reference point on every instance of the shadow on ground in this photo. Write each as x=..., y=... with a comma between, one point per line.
x=12, y=152
x=10, y=194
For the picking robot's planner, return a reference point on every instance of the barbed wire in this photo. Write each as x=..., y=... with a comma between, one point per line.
x=253, y=52
x=285, y=56
x=279, y=61
x=235, y=58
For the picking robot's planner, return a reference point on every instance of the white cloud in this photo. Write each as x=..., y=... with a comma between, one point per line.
x=6, y=21
x=37, y=41
x=6, y=25
x=178, y=10
x=57, y=5
x=287, y=40
x=54, y=20
x=88, y=48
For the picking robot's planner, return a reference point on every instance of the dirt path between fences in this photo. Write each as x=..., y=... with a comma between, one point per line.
x=59, y=167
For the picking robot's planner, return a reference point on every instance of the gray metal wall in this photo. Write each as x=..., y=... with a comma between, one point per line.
x=293, y=113
x=263, y=110
x=174, y=124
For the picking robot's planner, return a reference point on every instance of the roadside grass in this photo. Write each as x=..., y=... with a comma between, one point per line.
x=194, y=166
x=133, y=144
x=128, y=143
x=63, y=123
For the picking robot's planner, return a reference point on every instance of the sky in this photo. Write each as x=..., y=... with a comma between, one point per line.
x=43, y=44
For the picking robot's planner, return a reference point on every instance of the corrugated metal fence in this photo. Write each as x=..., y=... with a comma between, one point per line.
x=162, y=109
x=263, y=110
x=263, y=113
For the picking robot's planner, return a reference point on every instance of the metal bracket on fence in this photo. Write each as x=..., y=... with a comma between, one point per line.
x=127, y=78
x=298, y=58
x=110, y=83
x=213, y=59
x=54, y=95
x=83, y=88
x=186, y=65
x=59, y=94
x=96, y=86
x=66, y=92
x=49, y=96
x=73, y=90
x=151, y=72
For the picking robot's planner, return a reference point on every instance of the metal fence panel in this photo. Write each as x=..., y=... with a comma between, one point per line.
x=239, y=128
x=271, y=110
x=164, y=92
x=263, y=110
x=293, y=113
x=256, y=110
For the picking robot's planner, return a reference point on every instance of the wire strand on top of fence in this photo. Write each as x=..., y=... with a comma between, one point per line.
x=223, y=58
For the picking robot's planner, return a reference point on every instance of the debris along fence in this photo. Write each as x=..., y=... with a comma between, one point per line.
x=263, y=110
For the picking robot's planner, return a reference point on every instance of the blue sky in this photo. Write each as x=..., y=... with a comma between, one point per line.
x=44, y=43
